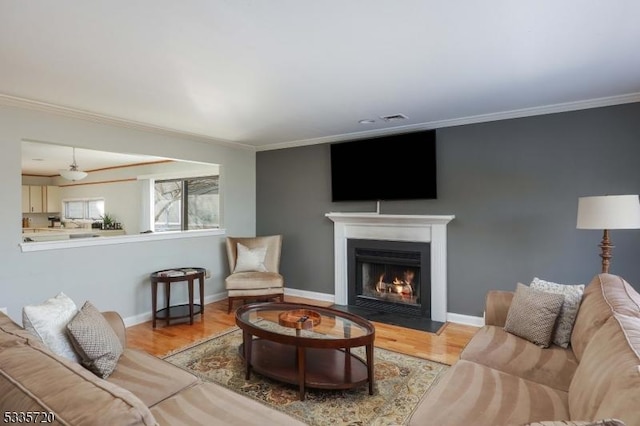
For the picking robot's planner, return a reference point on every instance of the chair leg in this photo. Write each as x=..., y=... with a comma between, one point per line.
x=230, y=304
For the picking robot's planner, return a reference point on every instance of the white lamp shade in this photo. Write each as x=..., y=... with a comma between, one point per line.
x=609, y=212
x=73, y=174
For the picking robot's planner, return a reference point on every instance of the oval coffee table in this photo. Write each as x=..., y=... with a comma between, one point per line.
x=306, y=345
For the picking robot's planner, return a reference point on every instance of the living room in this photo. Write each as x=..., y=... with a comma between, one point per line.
x=512, y=181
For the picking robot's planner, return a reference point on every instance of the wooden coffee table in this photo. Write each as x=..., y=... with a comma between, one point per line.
x=306, y=345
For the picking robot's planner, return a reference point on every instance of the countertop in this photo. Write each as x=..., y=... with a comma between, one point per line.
x=53, y=234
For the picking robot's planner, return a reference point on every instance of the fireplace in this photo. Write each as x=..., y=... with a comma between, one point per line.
x=389, y=276
x=429, y=229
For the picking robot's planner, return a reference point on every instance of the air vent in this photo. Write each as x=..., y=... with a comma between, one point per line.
x=394, y=117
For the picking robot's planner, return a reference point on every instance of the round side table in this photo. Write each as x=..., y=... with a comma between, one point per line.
x=168, y=277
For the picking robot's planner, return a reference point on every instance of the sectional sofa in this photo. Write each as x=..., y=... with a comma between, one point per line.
x=143, y=389
x=503, y=379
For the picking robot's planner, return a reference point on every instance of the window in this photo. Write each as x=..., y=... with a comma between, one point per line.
x=86, y=209
x=186, y=204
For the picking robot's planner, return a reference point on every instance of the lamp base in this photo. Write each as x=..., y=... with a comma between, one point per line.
x=605, y=247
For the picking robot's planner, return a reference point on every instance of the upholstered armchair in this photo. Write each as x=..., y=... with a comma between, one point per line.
x=254, y=265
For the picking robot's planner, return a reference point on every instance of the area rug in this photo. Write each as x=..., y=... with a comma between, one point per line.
x=400, y=383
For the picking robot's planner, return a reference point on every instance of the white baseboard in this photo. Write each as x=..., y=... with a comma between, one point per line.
x=146, y=316
x=4, y=311
x=137, y=319
x=324, y=297
x=309, y=295
x=465, y=319
x=215, y=297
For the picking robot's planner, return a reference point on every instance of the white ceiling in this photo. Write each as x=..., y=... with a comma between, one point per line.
x=45, y=159
x=289, y=72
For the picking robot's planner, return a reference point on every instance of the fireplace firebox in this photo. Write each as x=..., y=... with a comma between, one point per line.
x=390, y=276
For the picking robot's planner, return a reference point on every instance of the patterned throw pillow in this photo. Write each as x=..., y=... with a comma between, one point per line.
x=533, y=314
x=95, y=340
x=568, y=312
x=48, y=321
x=250, y=260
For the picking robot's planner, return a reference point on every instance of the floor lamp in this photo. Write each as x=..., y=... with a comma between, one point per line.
x=608, y=212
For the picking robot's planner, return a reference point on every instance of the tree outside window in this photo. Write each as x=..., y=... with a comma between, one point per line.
x=186, y=204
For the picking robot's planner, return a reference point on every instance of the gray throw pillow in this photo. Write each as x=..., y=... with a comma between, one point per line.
x=568, y=312
x=533, y=314
x=95, y=341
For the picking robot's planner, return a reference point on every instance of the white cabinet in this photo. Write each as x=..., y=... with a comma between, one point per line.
x=32, y=199
x=36, y=201
x=26, y=206
x=53, y=199
x=40, y=199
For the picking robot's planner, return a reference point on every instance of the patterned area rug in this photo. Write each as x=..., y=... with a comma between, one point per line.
x=400, y=383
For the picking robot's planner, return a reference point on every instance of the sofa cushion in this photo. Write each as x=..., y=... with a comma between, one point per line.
x=35, y=379
x=149, y=378
x=11, y=334
x=604, y=295
x=602, y=422
x=607, y=381
x=254, y=280
x=48, y=321
x=473, y=394
x=493, y=347
x=211, y=404
x=533, y=314
x=94, y=339
x=569, y=310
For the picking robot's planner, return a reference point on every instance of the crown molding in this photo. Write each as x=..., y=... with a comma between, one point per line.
x=14, y=101
x=474, y=119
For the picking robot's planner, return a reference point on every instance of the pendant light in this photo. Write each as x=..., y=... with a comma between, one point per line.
x=73, y=173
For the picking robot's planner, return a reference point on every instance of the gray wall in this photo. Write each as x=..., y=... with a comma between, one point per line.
x=513, y=186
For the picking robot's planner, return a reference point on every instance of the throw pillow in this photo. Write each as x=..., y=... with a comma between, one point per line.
x=533, y=314
x=95, y=340
x=250, y=260
x=48, y=322
x=568, y=312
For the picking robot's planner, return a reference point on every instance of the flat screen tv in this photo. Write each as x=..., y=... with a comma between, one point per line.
x=397, y=167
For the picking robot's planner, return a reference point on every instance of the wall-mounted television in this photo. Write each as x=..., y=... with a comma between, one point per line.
x=397, y=167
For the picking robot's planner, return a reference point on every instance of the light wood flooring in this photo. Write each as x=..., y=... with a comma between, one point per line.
x=444, y=347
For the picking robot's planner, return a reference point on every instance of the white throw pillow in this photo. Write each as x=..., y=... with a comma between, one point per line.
x=250, y=260
x=49, y=320
x=569, y=311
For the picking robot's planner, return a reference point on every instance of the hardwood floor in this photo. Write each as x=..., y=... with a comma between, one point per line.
x=444, y=347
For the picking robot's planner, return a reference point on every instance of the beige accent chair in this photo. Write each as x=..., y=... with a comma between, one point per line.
x=261, y=285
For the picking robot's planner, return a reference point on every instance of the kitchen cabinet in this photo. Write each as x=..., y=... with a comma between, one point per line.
x=40, y=199
x=25, y=199
x=53, y=199
x=32, y=201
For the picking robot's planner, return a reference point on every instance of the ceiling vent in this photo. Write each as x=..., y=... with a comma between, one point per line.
x=394, y=117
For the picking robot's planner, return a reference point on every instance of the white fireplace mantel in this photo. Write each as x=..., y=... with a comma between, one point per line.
x=374, y=226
